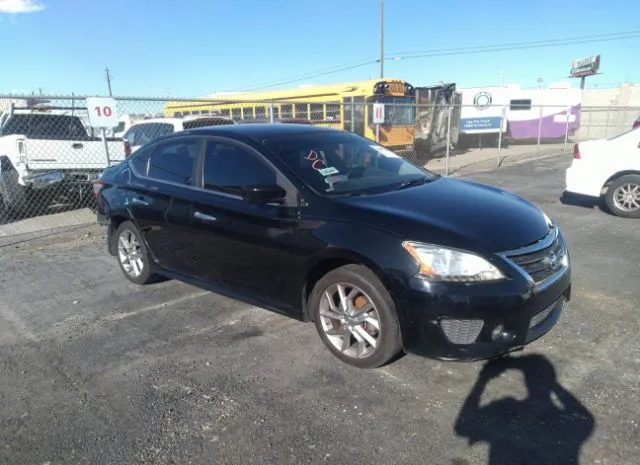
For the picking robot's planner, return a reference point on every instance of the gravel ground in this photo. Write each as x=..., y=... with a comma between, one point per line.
x=189, y=377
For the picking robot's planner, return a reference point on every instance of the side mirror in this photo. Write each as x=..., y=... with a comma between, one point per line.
x=263, y=194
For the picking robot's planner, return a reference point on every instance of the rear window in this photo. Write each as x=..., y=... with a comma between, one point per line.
x=60, y=127
x=204, y=122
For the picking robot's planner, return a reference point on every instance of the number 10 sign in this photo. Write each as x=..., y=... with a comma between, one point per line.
x=102, y=112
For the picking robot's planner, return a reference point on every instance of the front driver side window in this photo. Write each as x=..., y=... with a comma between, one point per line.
x=228, y=168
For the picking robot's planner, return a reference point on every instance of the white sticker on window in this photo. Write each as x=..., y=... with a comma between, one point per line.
x=328, y=171
x=384, y=151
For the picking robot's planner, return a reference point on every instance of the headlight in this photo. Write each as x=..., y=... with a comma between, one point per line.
x=443, y=264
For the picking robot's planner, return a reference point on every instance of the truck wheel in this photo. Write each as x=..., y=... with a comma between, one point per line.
x=623, y=196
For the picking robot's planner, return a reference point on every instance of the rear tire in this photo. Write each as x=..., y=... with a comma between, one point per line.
x=132, y=255
x=623, y=196
x=356, y=317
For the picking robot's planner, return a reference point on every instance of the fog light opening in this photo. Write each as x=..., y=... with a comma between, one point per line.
x=500, y=335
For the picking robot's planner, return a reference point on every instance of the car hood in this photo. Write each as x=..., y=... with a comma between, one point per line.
x=455, y=213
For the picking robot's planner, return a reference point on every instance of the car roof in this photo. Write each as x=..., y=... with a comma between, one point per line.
x=259, y=130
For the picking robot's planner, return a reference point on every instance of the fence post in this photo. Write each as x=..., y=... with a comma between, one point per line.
x=502, y=115
x=539, y=128
x=106, y=146
x=566, y=128
x=353, y=115
x=446, y=164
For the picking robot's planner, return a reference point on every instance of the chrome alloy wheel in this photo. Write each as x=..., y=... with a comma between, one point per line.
x=627, y=197
x=350, y=320
x=130, y=253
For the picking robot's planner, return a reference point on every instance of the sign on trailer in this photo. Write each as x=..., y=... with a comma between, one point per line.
x=102, y=112
x=378, y=113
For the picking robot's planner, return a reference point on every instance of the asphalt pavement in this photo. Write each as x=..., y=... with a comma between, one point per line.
x=96, y=370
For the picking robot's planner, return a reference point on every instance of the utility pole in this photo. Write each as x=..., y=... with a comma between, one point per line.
x=381, y=39
x=108, y=75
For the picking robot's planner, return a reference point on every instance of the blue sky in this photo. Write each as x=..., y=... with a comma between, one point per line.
x=195, y=47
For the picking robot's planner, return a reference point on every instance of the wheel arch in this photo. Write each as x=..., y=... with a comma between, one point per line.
x=331, y=260
x=114, y=223
x=618, y=175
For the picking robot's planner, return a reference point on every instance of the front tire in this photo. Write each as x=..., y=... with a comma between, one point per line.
x=132, y=254
x=623, y=196
x=355, y=317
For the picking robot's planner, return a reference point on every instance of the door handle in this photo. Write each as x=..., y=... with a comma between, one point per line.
x=204, y=216
x=139, y=201
x=77, y=145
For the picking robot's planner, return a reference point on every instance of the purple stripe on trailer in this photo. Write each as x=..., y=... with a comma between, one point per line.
x=528, y=129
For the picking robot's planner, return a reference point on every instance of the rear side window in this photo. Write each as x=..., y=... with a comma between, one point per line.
x=229, y=168
x=147, y=132
x=139, y=161
x=174, y=161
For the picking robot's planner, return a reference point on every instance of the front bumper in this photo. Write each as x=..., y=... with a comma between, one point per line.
x=454, y=321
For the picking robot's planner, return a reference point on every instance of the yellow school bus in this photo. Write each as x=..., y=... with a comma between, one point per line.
x=347, y=106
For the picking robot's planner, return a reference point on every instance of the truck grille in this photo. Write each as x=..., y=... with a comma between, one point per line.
x=542, y=263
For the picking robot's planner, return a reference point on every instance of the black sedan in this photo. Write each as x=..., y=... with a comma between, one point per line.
x=329, y=227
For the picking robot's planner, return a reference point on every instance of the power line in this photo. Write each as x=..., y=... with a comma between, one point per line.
x=309, y=75
x=485, y=49
x=453, y=52
x=593, y=37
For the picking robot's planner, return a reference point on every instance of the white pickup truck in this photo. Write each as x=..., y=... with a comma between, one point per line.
x=49, y=154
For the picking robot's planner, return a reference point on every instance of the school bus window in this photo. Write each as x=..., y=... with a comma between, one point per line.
x=247, y=112
x=224, y=113
x=397, y=111
x=276, y=112
x=317, y=112
x=286, y=111
x=333, y=111
x=302, y=110
x=235, y=113
x=177, y=114
x=260, y=112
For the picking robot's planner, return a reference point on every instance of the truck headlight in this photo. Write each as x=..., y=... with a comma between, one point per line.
x=444, y=264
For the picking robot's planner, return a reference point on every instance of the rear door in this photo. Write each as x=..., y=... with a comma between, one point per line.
x=159, y=200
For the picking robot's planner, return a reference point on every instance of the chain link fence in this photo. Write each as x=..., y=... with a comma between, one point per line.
x=50, y=153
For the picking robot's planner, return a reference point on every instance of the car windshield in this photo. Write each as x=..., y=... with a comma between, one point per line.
x=341, y=163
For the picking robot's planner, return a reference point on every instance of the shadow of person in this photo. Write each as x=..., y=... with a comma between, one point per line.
x=546, y=428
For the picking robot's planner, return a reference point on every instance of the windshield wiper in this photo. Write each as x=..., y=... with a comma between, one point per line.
x=413, y=182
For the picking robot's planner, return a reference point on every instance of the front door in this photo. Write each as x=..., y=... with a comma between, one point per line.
x=354, y=115
x=248, y=248
x=159, y=199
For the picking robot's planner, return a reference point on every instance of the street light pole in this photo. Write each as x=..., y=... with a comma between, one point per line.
x=381, y=39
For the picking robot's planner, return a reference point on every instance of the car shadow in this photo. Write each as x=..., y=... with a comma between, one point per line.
x=583, y=201
x=548, y=427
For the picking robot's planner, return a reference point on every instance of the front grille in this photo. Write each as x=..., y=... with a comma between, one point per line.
x=461, y=331
x=542, y=263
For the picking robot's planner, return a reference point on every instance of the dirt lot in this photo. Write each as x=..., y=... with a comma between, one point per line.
x=96, y=370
